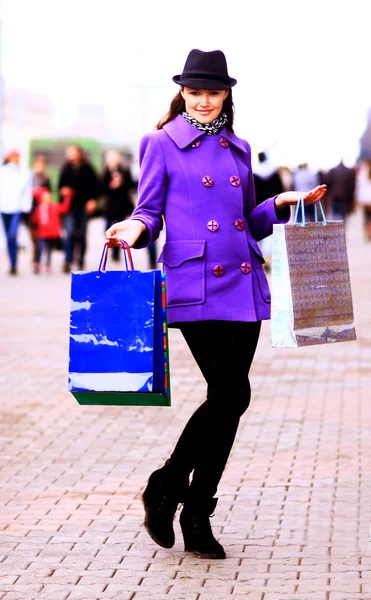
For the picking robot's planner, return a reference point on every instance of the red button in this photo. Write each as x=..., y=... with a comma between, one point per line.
x=224, y=142
x=196, y=144
x=218, y=270
x=239, y=224
x=245, y=268
x=235, y=181
x=213, y=226
x=207, y=181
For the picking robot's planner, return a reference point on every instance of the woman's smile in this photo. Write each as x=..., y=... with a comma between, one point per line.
x=204, y=105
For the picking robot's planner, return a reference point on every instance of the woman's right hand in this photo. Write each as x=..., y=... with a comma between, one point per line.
x=129, y=231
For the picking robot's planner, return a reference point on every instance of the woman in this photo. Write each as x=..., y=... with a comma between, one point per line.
x=77, y=177
x=40, y=176
x=197, y=173
x=15, y=200
x=117, y=183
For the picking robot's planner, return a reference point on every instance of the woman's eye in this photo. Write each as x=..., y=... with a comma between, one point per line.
x=194, y=93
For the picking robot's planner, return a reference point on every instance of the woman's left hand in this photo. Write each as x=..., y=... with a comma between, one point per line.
x=288, y=198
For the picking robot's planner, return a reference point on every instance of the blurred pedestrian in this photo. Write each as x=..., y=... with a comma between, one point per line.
x=196, y=173
x=305, y=179
x=268, y=184
x=78, y=175
x=40, y=179
x=267, y=179
x=117, y=183
x=341, y=182
x=46, y=219
x=15, y=200
x=363, y=195
x=286, y=176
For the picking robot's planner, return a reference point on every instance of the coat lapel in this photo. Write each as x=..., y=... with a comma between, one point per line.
x=184, y=134
x=234, y=140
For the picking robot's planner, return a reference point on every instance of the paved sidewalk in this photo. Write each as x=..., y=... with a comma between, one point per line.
x=294, y=502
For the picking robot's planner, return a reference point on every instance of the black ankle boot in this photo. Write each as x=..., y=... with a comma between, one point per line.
x=160, y=500
x=196, y=529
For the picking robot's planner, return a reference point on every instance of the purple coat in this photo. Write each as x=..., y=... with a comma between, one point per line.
x=203, y=186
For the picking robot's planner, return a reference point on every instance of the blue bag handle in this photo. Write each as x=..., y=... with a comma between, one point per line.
x=300, y=205
x=127, y=255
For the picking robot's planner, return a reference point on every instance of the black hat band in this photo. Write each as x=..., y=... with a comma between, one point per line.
x=221, y=78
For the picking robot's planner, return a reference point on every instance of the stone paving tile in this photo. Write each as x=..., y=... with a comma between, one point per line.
x=294, y=501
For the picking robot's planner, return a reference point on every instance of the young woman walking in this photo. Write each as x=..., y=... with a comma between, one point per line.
x=196, y=173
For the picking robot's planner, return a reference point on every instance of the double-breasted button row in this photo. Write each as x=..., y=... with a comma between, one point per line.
x=223, y=142
x=208, y=181
x=214, y=226
x=219, y=270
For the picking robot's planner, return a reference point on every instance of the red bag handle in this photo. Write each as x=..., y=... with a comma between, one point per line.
x=127, y=255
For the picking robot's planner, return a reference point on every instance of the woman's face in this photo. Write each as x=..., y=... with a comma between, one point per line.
x=204, y=105
x=39, y=165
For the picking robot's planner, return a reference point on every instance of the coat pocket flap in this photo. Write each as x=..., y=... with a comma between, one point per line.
x=175, y=253
x=255, y=246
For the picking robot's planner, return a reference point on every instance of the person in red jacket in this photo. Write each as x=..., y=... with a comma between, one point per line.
x=47, y=222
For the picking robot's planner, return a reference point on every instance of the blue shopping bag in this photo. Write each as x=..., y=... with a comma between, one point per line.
x=118, y=336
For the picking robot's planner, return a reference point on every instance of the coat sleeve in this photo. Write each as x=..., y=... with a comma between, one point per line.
x=261, y=218
x=64, y=206
x=152, y=189
x=93, y=184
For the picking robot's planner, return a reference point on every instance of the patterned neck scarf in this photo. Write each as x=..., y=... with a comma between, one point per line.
x=212, y=128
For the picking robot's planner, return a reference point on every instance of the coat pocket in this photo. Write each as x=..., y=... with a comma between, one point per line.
x=184, y=265
x=258, y=260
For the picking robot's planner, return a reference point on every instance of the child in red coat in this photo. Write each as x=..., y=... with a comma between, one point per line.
x=47, y=221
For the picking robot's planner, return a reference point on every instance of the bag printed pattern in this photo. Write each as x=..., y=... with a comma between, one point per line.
x=118, y=338
x=112, y=332
x=311, y=292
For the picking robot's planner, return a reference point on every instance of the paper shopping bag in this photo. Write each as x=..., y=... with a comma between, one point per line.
x=119, y=337
x=310, y=286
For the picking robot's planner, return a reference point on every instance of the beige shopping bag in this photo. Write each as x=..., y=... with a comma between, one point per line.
x=311, y=292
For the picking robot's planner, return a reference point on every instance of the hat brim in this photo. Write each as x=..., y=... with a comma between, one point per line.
x=204, y=84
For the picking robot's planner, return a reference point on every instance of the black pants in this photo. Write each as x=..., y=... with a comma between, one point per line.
x=224, y=351
x=75, y=225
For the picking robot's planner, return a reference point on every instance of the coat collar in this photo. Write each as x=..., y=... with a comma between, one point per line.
x=184, y=134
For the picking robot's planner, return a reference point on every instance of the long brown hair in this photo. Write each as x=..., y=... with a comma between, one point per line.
x=177, y=106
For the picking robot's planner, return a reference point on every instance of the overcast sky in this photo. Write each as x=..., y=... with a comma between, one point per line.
x=303, y=68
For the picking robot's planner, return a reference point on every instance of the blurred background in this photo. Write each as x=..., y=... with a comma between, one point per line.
x=99, y=75
x=104, y=69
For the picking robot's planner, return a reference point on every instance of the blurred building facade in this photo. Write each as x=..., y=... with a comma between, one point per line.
x=25, y=115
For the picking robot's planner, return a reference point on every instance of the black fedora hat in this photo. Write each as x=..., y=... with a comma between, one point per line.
x=205, y=70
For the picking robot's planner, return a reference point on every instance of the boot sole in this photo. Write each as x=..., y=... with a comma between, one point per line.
x=202, y=555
